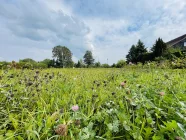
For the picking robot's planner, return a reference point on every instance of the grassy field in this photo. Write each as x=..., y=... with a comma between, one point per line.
x=93, y=104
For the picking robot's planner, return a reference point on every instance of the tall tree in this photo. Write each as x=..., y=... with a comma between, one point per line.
x=136, y=52
x=63, y=56
x=131, y=56
x=159, y=48
x=140, y=48
x=88, y=58
x=140, y=51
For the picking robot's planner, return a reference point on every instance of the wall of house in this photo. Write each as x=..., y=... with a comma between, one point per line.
x=181, y=44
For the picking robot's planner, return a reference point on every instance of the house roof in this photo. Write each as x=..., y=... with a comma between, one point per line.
x=176, y=40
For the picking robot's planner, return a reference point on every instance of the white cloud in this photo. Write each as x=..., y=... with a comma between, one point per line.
x=58, y=5
x=33, y=22
x=108, y=28
x=111, y=38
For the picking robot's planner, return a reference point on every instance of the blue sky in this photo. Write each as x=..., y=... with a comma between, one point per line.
x=31, y=28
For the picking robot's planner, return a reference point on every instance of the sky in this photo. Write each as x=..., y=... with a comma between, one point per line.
x=31, y=28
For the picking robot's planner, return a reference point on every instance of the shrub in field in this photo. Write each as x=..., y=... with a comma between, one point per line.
x=121, y=64
x=4, y=64
x=179, y=63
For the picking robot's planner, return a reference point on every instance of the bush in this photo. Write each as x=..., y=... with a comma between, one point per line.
x=105, y=66
x=173, y=53
x=121, y=64
x=178, y=63
x=4, y=64
x=149, y=56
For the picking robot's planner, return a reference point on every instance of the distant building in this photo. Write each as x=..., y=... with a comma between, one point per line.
x=179, y=42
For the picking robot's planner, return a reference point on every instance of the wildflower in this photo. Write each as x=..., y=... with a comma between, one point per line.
x=75, y=108
x=162, y=93
x=61, y=130
x=123, y=83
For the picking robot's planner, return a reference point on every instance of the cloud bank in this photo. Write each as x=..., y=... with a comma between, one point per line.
x=108, y=28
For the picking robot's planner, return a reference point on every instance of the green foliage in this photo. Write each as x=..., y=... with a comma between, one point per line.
x=31, y=64
x=131, y=56
x=63, y=56
x=27, y=60
x=159, y=48
x=173, y=53
x=145, y=57
x=97, y=64
x=105, y=66
x=80, y=64
x=48, y=62
x=140, y=48
x=121, y=64
x=4, y=64
x=113, y=65
x=88, y=58
x=135, y=53
x=178, y=63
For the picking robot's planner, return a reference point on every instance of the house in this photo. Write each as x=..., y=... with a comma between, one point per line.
x=178, y=42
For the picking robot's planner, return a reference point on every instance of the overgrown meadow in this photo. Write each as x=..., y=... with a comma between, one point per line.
x=89, y=104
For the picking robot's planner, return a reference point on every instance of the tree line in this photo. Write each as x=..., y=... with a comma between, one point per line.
x=62, y=57
x=138, y=52
x=158, y=52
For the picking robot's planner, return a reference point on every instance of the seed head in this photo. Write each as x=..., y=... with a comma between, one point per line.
x=77, y=122
x=37, y=72
x=61, y=110
x=61, y=130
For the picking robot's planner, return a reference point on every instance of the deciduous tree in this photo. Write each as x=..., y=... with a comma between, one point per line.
x=88, y=58
x=63, y=56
